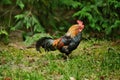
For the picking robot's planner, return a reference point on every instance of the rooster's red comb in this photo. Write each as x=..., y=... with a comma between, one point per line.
x=80, y=23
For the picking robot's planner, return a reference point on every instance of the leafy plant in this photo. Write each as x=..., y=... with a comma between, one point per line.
x=28, y=22
x=56, y=16
x=100, y=16
x=4, y=36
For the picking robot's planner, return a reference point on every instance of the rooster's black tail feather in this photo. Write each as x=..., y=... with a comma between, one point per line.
x=46, y=43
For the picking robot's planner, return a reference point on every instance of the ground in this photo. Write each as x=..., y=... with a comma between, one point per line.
x=93, y=60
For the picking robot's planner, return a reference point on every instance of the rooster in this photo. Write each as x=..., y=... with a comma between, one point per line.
x=65, y=44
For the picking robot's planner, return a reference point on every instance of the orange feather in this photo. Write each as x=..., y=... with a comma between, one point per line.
x=73, y=31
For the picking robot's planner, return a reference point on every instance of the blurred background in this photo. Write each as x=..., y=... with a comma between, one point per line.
x=37, y=18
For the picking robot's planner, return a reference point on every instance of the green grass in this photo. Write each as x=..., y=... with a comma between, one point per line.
x=92, y=60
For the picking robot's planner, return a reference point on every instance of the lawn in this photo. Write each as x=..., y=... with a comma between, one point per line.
x=92, y=60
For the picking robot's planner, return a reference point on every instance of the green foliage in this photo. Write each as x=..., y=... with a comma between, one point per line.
x=101, y=16
x=56, y=16
x=3, y=32
x=20, y=4
x=70, y=3
x=6, y=1
x=29, y=21
x=4, y=36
